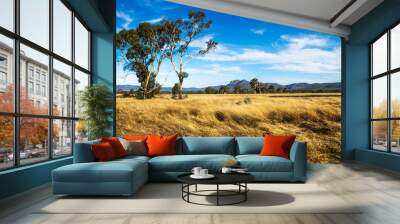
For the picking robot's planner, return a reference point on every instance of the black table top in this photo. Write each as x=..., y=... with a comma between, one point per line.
x=220, y=178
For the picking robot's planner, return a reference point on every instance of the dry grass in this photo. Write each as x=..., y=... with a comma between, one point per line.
x=314, y=118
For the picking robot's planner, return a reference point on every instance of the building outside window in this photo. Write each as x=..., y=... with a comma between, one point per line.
x=30, y=72
x=3, y=78
x=30, y=87
x=3, y=61
x=43, y=90
x=3, y=72
x=44, y=77
x=37, y=75
x=38, y=89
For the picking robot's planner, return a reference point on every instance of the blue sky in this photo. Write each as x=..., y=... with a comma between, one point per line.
x=246, y=49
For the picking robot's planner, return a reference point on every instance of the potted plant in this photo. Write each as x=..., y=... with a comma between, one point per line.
x=97, y=103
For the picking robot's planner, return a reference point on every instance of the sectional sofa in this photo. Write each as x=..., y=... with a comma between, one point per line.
x=125, y=176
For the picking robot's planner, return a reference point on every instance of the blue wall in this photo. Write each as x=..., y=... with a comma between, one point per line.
x=99, y=15
x=356, y=83
x=24, y=178
x=103, y=62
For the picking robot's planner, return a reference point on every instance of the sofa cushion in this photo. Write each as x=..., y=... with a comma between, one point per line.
x=277, y=145
x=132, y=158
x=249, y=145
x=161, y=145
x=207, y=145
x=257, y=163
x=103, y=152
x=112, y=171
x=116, y=145
x=134, y=147
x=185, y=163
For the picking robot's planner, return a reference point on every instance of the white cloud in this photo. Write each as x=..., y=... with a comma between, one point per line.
x=305, y=41
x=214, y=69
x=201, y=42
x=128, y=19
x=307, y=54
x=258, y=31
x=211, y=75
x=156, y=20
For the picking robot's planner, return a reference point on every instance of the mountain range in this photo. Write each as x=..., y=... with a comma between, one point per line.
x=245, y=85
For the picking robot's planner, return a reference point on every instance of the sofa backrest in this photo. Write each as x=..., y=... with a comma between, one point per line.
x=249, y=145
x=83, y=152
x=206, y=145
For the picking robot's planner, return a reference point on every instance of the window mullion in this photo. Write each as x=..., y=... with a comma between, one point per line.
x=50, y=81
x=73, y=82
x=16, y=85
x=389, y=112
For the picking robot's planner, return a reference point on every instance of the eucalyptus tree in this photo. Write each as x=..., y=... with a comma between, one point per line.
x=143, y=50
x=181, y=33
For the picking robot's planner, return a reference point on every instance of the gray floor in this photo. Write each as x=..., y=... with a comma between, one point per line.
x=377, y=188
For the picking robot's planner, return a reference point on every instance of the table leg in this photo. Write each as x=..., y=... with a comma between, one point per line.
x=182, y=188
x=217, y=194
x=195, y=188
x=188, y=189
x=245, y=193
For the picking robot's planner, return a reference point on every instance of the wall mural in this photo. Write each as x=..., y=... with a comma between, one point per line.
x=202, y=73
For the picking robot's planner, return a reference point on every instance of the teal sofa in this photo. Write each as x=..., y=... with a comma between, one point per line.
x=125, y=176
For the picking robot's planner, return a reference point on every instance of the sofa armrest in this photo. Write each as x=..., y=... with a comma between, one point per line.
x=83, y=152
x=298, y=155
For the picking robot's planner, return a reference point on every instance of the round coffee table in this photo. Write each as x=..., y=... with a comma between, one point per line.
x=238, y=179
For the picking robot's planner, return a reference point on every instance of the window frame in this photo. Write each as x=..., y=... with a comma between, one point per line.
x=388, y=74
x=16, y=114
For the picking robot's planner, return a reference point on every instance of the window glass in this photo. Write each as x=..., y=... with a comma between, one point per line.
x=33, y=140
x=395, y=47
x=81, y=45
x=395, y=138
x=81, y=82
x=7, y=14
x=62, y=89
x=62, y=29
x=379, y=56
x=81, y=131
x=34, y=21
x=6, y=74
x=30, y=58
x=379, y=97
x=395, y=95
x=6, y=142
x=62, y=138
x=379, y=135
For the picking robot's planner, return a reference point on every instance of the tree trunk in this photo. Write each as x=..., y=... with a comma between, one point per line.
x=180, y=94
x=145, y=87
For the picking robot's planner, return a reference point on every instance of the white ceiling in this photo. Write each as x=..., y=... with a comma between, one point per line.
x=317, y=15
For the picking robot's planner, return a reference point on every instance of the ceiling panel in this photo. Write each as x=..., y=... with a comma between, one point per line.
x=314, y=15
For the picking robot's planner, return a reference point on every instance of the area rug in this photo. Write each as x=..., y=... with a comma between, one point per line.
x=166, y=198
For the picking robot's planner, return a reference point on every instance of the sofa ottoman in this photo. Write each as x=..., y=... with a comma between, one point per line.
x=118, y=177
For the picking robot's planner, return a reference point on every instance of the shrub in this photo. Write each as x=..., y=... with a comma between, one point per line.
x=247, y=100
x=220, y=116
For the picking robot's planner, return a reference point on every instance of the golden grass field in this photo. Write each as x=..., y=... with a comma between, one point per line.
x=313, y=117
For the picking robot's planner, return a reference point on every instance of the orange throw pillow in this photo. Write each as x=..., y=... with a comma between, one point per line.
x=116, y=145
x=277, y=145
x=103, y=152
x=161, y=145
